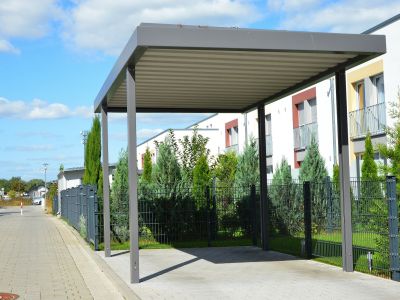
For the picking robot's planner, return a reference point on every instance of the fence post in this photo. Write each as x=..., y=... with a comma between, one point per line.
x=328, y=189
x=393, y=227
x=253, y=214
x=214, y=210
x=208, y=199
x=307, y=219
x=96, y=221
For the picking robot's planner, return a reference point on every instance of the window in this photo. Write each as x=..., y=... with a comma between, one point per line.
x=360, y=104
x=300, y=108
x=313, y=110
x=379, y=88
x=233, y=135
x=268, y=128
x=307, y=112
x=270, y=169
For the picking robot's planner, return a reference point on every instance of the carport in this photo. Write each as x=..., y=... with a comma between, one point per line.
x=175, y=68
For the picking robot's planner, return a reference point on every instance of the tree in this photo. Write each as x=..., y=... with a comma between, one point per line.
x=33, y=184
x=201, y=179
x=313, y=169
x=167, y=173
x=12, y=194
x=225, y=169
x=286, y=201
x=247, y=172
x=93, y=154
x=147, y=167
x=192, y=149
x=53, y=190
x=370, y=185
x=119, y=207
x=17, y=184
x=391, y=152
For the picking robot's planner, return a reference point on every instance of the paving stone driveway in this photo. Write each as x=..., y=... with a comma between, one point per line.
x=35, y=257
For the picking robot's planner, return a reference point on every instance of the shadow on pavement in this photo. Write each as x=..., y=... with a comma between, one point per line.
x=162, y=272
x=225, y=255
x=119, y=253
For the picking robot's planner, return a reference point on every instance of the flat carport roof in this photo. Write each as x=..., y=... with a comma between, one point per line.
x=174, y=68
x=197, y=69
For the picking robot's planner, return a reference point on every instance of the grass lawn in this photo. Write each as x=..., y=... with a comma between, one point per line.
x=151, y=244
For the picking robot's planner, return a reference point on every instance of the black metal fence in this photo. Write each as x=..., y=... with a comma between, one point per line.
x=184, y=217
x=304, y=219
x=79, y=208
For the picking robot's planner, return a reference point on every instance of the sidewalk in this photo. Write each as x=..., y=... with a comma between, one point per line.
x=41, y=258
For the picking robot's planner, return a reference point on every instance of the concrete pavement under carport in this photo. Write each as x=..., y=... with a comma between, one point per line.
x=244, y=273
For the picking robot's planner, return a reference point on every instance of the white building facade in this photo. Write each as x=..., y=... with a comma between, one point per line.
x=292, y=121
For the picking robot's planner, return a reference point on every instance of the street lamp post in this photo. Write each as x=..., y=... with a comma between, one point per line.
x=84, y=134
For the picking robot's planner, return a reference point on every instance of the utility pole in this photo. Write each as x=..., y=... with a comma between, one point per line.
x=84, y=135
x=45, y=182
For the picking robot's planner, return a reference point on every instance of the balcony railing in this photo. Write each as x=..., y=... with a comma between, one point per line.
x=371, y=119
x=234, y=148
x=303, y=134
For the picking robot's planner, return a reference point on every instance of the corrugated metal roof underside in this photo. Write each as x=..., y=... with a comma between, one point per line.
x=218, y=79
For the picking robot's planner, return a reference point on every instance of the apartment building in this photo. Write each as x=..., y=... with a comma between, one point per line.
x=292, y=121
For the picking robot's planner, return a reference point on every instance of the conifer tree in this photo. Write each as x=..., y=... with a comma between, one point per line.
x=247, y=172
x=286, y=204
x=147, y=167
x=225, y=169
x=167, y=173
x=313, y=169
x=201, y=179
x=93, y=154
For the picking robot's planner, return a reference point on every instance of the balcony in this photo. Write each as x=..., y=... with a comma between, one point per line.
x=234, y=148
x=371, y=119
x=303, y=134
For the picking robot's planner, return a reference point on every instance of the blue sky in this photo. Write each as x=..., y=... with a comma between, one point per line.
x=55, y=55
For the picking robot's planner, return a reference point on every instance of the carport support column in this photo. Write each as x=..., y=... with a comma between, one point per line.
x=106, y=186
x=132, y=171
x=262, y=154
x=343, y=147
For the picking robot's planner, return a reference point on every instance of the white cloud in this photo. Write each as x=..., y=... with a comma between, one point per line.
x=146, y=133
x=26, y=19
x=338, y=16
x=290, y=5
x=30, y=148
x=38, y=110
x=6, y=46
x=106, y=25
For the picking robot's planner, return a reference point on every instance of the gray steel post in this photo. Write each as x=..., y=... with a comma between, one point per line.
x=307, y=219
x=208, y=199
x=263, y=177
x=393, y=228
x=344, y=172
x=132, y=170
x=253, y=208
x=106, y=186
